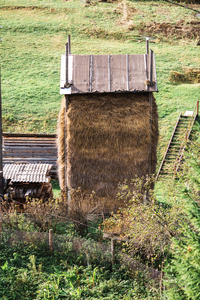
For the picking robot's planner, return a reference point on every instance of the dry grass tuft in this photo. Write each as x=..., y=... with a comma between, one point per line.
x=180, y=30
x=186, y=75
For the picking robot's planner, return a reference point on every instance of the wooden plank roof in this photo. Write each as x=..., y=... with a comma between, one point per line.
x=29, y=148
x=107, y=73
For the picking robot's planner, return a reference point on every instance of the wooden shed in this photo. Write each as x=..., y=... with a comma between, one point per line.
x=108, y=122
x=27, y=180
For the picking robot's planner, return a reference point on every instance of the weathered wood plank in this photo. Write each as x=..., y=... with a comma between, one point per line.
x=100, y=73
x=137, y=73
x=81, y=73
x=29, y=149
x=118, y=73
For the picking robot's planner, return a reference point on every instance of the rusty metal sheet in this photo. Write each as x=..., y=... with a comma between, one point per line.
x=38, y=173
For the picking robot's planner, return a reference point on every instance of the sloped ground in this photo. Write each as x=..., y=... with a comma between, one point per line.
x=166, y=31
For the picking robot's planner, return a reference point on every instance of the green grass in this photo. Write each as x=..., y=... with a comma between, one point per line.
x=33, y=37
x=34, y=34
x=29, y=270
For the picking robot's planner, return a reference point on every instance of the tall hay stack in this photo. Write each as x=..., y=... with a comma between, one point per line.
x=108, y=123
x=109, y=140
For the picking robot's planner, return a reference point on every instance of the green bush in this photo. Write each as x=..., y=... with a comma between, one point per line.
x=183, y=271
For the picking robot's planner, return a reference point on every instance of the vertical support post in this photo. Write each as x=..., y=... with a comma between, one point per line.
x=51, y=239
x=67, y=192
x=112, y=249
x=151, y=123
x=1, y=146
x=66, y=66
x=147, y=44
x=0, y=230
x=151, y=67
x=161, y=279
x=69, y=44
x=146, y=71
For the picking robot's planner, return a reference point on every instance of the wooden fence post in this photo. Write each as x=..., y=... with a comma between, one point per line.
x=0, y=230
x=1, y=145
x=51, y=239
x=112, y=248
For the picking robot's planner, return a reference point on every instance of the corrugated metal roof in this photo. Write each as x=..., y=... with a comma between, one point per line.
x=108, y=73
x=37, y=173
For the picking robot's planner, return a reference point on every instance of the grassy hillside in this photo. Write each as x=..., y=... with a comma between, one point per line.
x=33, y=38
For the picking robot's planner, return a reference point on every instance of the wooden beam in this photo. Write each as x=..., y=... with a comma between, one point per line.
x=112, y=249
x=66, y=65
x=1, y=146
x=151, y=123
x=51, y=240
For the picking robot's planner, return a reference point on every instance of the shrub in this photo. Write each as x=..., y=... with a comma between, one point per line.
x=183, y=272
x=146, y=224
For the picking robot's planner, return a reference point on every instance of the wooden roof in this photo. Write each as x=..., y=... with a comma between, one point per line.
x=29, y=148
x=108, y=73
x=27, y=172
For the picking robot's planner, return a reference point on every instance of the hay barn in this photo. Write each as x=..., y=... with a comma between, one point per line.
x=108, y=121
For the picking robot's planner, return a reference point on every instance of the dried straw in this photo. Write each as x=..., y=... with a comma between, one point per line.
x=108, y=141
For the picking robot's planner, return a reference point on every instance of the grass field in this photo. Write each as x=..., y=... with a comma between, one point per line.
x=33, y=38
x=33, y=35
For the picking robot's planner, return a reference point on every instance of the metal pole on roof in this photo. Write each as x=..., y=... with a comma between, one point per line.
x=151, y=67
x=147, y=44
x=69, y=44
x=66, y=66
x=1, y=146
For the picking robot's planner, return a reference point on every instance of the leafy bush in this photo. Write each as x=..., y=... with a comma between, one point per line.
x=183, y=272
x=146, y=224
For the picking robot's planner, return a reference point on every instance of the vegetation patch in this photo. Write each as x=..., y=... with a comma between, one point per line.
x=186, y=75
x=165, y=30
x=103, y=34
x=34, y=8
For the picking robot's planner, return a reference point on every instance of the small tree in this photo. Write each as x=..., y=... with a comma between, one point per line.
x=147, y=224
